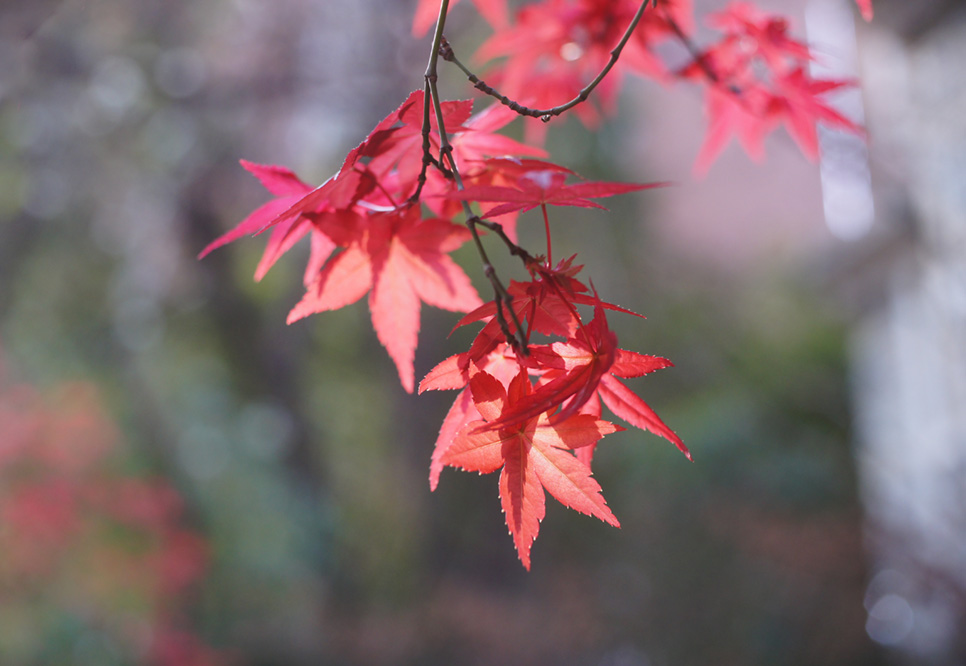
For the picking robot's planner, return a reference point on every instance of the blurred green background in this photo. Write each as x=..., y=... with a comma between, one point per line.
x=300, y=460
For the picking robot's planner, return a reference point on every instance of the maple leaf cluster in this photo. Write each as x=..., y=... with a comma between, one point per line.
x=432, y=176
x=755, y=76
x=369, y=236
x=541, y=434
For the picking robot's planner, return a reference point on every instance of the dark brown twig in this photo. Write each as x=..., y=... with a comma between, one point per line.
x=503, y=298
x=546, y=114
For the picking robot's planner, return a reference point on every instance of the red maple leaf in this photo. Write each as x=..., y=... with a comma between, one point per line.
x=453, y=373
x=427, y=11
x=556, y=47
x=547, y=305
x=623, y=402
x=400, y=260
x=656, y=25
x=750, y=33
x=403, y=149
x=734, y=115
x=372, y=144
x=757, y=80
x=553, y=49
x=500, y=171
x=290, y=216
x=545, y=187
x=627, y=405
x=288, y=189
x=542, y=188
x=800, y=108
x=575, y=375
x=865, y=6
x=575, y=370
x=482, y=156
x=535, y=455
x=478, y=138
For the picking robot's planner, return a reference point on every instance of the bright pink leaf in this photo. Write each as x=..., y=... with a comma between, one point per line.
x=281, y=182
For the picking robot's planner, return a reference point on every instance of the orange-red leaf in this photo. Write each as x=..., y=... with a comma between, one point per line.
x=401, y=261
x=535, y=455
x=628, y=406
x=524, y=504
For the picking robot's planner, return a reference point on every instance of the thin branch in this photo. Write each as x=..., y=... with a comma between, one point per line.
x=430, y=76
x=503, y=298
x=546, y=114
x=698, y=56
x=514, y=249
x=701, y=59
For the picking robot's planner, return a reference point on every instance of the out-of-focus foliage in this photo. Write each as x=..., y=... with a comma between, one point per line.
x=97, y=560
x=121, y=124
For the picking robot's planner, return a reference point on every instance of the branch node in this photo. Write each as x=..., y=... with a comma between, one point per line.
x=445, y=50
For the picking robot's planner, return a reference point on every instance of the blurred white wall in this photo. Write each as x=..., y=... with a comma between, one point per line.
x=909, y=345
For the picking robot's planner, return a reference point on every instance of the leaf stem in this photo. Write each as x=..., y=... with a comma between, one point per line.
x=546, y=226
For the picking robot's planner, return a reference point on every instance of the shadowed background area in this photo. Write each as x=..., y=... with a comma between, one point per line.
x=184, y=479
